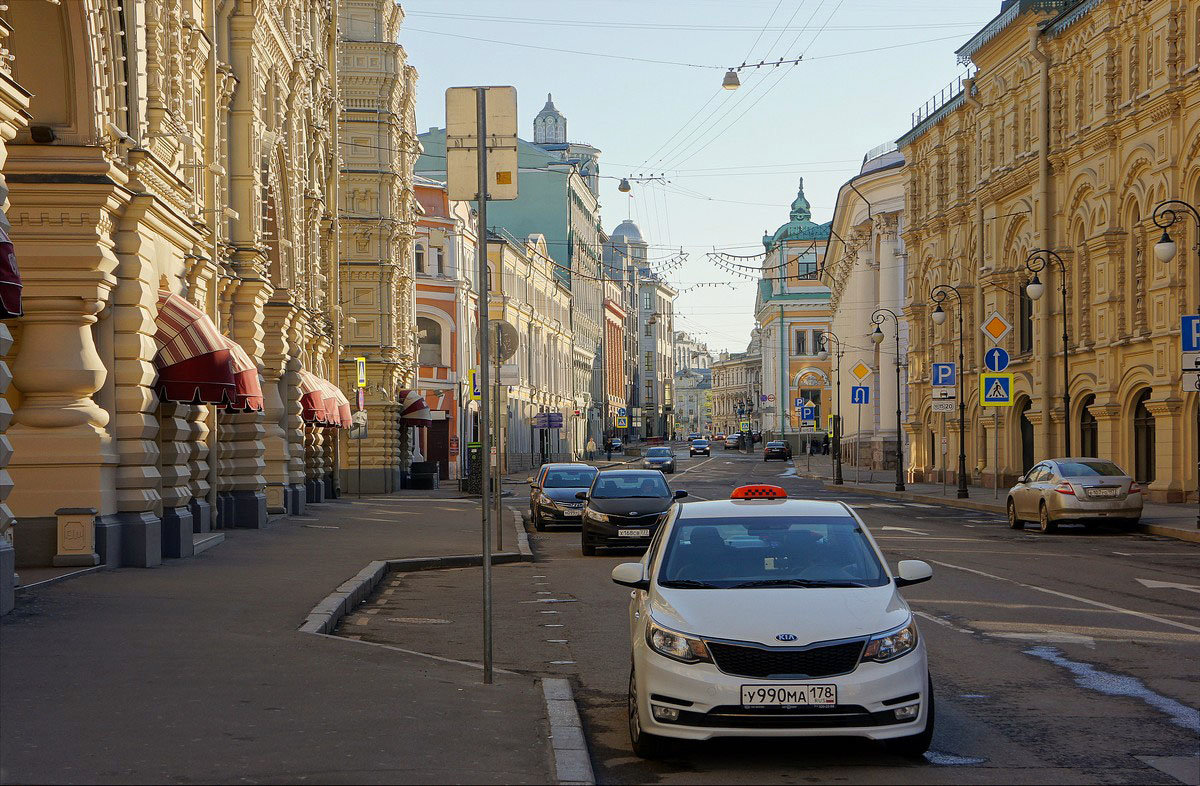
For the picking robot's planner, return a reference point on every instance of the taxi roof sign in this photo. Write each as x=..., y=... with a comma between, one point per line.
x=996, y=327
x=758, y=491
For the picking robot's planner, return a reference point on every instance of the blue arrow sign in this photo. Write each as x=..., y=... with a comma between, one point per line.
x=996, y=359
x=860, y=394
x=943, y=375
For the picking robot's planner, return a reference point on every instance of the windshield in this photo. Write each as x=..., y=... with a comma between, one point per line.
x=626, y=486
x=569, y=478
x=658, y=453
x=700, y=442
x=775, y=444
x=1076, y=469
x=792, y=551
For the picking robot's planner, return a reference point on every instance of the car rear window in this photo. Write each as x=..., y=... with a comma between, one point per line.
x=775, y=444
x=569, y=478
x=782, y=551
x=1075, y=469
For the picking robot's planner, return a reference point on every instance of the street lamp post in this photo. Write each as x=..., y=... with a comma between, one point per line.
x=837, y=417
x=1165, y=215
x=938, y=295
x=1036, y=262
x=880, y=316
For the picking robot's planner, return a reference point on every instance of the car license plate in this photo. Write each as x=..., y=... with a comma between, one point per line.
x=789, y=695
x=634, y=533
x=573, y=512
x=1103, y=492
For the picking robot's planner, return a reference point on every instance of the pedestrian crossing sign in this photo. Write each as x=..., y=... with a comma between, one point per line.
x=996, y=390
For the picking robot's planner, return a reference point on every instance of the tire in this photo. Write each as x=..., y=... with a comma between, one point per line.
x=588, y=549
x=1045, y=523
x=915, y=746
x=538, y=524
x=1013, y=521
x=645, y=746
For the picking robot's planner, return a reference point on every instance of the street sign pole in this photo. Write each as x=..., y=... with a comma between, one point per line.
x=484, y=384
x=996, y=448
x=858, y=447
x=497, y=516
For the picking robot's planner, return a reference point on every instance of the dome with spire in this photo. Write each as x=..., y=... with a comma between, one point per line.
x=801, y=225
x=628, y=232
x=550, y=125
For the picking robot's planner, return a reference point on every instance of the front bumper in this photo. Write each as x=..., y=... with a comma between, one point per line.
x=867, y=700
x=553, y=515
x=664, y=466
x=599, y=533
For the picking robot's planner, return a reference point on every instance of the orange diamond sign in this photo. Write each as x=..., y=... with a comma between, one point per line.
x=996, y=327
x=860, y=370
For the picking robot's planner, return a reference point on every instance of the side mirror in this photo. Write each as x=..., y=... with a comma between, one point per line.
x=680, y=494
x=581, y=495
x=1021, y=481
x=912, y=571
x=631, y=574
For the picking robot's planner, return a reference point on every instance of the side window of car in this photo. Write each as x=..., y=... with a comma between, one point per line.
x=1041, y=473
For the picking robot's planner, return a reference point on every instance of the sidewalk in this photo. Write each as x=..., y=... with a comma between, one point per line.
x=196, y=670
x=1173, y=520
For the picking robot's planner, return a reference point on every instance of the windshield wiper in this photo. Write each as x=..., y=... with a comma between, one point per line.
x=797, y=583
x=687, y=584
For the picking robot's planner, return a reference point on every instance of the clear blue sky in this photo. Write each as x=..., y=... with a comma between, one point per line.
x=733, y=166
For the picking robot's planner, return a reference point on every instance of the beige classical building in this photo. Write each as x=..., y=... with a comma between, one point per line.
x=1082, y=116
x=737, y=388
x=378, y=217
x=172, y=202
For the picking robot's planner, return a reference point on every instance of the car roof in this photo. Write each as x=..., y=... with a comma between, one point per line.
x=762, y=508
x=567, y=465
x=631, y=473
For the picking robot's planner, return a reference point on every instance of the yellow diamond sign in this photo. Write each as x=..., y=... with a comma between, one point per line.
x=860, y=370
x=996, y=327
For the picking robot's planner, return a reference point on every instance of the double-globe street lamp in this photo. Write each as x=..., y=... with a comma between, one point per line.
x=1166, y=214
x=1036, y=262
x=837, y=415
x=880, y=316
x=938, y=295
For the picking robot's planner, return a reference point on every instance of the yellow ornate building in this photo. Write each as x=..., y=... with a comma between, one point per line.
x=172, y=200
x=1080, y=118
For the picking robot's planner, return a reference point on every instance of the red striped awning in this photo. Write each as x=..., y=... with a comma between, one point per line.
x=413, y=409
x=194, y=361
x=312, y=398
x=245, y=380
x=337, y=406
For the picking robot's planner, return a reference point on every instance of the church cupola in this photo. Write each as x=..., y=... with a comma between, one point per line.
x=550, y=126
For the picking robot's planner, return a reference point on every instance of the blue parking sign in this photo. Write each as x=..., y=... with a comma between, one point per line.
x=1190, y=332
x=943, y=375
x=860, y=394
x=808, y=413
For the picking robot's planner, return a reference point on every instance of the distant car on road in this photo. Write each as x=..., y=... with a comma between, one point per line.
x=1074, y=489
x=695, y=435
x=764, y=616
x=733, y=442
x=718, y=438
x=552, y=494
x=777, y=450
x=617, y=445
x=661, y=459
x=700, y=447
x=625, y=508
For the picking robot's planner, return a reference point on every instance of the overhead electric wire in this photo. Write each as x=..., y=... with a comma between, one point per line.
x=663, y=26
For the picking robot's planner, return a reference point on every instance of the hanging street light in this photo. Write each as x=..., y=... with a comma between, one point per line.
x=731, y=81
x=624, y=187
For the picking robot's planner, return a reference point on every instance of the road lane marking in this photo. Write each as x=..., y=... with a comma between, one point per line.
x=943, y=623
x=1152, y=584
x=697, y=466
x=904, y=529
x=1076, y=598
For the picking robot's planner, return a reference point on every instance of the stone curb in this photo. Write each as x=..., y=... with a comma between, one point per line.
x=999, y=510
x=326, y=615
x=572, y=762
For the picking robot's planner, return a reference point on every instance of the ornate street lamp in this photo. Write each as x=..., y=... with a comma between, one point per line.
x=1036, y=262
x=938, y=295
x=837, y=416
x=1165, y=215
x=880, y=316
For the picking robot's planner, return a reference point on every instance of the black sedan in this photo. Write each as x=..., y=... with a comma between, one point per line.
x=625, y=508
x=552, y=493
x=662, y=459
x=777, y=450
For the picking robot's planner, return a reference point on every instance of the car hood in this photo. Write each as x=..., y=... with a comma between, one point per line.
x=623, y=507
x=759, y=615
x=564, y=495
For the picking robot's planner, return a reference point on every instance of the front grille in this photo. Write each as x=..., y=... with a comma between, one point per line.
x=769, y=662
x=634, y=521
x=843, y=716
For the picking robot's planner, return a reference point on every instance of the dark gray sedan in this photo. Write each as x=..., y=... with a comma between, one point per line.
x=1074, y=489
x=661, y=459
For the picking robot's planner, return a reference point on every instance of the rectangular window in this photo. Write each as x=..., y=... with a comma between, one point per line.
x=650, y=362
x=649, y=393
x=801, y=342
x=649, y=329
x=646, y=303
x=806, y=267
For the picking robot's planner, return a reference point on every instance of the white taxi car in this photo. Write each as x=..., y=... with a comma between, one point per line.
x=764, y=616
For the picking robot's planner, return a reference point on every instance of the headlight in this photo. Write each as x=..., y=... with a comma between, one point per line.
x=597, y=515
x=544, y=500
x=674, y=645
x=892, y=644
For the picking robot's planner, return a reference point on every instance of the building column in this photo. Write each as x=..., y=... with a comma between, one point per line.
x=198, y=417
x=1169, y=431
x=174, y=433
x=280, y=398
x=8, y=557
x=1108, y=432
x=241, y=487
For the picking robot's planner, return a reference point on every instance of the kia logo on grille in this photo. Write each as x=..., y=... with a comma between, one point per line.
x=786, y=637
x=633, y=513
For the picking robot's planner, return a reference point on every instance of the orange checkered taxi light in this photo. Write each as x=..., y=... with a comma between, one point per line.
x=758, y=491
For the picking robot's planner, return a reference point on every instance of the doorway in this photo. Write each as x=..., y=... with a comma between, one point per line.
x=1027, y=450
x=1143, y=439
x=438, y=446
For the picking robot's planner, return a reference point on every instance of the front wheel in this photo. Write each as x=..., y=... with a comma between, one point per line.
x=1013, y=521
x=916, y=745
x=1045, y=523
x=538, y=524
x=588, y=549
x=645, y=746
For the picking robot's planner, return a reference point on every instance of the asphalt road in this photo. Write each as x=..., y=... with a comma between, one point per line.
x=1052, y=661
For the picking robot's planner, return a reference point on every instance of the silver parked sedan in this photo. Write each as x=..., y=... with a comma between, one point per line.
x=1074, y=489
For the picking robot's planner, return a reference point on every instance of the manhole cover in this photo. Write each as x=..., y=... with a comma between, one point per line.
x=419, y=620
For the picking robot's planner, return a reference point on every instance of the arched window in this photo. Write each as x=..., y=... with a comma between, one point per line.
x=1143, y=439
x=429, y=342
x=1088, y=430
x=419, y=258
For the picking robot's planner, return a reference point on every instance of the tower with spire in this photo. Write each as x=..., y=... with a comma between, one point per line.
x=550, y=125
